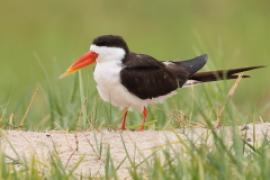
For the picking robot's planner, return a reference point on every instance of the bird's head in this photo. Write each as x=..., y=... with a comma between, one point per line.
x=103, y=49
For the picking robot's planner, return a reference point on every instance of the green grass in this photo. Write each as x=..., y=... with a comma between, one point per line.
x=73, y=107
x=59, y=104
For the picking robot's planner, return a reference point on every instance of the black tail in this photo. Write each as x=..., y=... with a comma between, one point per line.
x=221, y=74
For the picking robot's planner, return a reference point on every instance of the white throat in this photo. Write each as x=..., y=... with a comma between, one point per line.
x=107, y=74
x=108, y=54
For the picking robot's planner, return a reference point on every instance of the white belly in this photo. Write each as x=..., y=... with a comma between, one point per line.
x=110, y=89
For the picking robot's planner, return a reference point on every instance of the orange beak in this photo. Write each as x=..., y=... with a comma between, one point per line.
x=85, y=60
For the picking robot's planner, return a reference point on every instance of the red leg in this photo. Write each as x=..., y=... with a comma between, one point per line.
x=145, y=113
x=123, y=120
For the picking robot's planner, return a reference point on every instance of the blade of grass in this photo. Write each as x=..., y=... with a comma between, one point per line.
x=83, y=98
x=36, y=91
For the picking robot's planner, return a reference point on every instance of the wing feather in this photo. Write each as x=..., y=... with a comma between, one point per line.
x=146, y=77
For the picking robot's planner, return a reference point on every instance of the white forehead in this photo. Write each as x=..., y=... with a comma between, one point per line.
x=105, y=49
x=108, y=53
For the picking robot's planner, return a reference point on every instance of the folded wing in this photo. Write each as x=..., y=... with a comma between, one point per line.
x=148, y=78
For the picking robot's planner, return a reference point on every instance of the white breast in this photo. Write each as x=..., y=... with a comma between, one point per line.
x=110, y=89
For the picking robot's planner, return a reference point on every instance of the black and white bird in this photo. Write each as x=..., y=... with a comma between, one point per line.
x=132, y=80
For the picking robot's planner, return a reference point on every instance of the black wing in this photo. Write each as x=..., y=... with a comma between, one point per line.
x=193, y=65
x=146, y=77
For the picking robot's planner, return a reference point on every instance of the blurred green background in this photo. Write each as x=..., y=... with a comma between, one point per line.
x=46, y=36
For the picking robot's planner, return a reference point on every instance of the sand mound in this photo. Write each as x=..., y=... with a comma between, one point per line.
x=91, y=147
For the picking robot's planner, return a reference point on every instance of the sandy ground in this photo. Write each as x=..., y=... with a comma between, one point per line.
x=84, y=146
